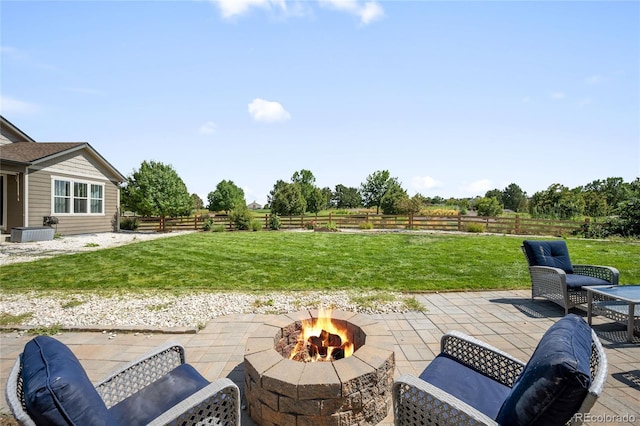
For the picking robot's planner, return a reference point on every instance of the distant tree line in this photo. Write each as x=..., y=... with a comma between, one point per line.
x=157, y=190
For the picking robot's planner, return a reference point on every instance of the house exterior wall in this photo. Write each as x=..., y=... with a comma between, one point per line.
x=14, y=197
x=76, y=167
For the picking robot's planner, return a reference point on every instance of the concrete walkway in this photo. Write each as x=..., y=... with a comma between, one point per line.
x=508, y=320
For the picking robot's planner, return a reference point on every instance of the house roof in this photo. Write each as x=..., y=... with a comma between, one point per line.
x=14, y=129
x=29, y=152
x=32, y=153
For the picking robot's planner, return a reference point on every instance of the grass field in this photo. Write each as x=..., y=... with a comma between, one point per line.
x=270, y=261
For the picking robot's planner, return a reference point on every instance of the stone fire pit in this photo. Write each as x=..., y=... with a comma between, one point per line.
x=352, y=390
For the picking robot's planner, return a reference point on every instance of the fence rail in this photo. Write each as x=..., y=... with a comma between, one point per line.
x=501, y=225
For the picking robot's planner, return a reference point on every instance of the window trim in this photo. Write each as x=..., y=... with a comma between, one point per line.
x=72, y=183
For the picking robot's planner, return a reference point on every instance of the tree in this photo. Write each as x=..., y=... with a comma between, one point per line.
x=315, y=200
x=495, y=193
x=279, y=184
x=197, y=201
x=306, y=181
x=226, y=197
x=156, y=190
x=393, y=199
x=613, y=189
x=346, y=198
x=411, y=205
x=514, y=198
x=488, y=206
x=374, y=188
x=288, y=200
x=557, y=202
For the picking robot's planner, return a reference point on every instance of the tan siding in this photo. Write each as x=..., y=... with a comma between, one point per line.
x=4, y=140
x=76, y=164
x=7, y=136
x=40, y=204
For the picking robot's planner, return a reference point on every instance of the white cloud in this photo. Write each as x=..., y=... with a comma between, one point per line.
x=268, y=111
x=371, y=11
x=425, y=183
x=558, y=95
x=10, y=106
x=479, y=187
x=230, y=8
x=367, y=12
x=208, y=128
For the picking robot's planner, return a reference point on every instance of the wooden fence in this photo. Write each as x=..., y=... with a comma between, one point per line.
x=500, y=225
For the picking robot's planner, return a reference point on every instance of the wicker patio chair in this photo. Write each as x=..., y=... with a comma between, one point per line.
x=157, y=389
x=458, y=391
x=555, y=278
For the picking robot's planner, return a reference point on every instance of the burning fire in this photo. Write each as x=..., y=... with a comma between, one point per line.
x=322, y=340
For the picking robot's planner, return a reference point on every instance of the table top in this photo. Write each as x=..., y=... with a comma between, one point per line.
x=628, y=293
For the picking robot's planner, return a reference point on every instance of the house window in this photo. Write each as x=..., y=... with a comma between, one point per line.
x=62, y=196
x=76, y=197
x=96, y=198
x=80, y=197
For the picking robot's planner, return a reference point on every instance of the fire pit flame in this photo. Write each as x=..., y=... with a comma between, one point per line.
x=322, y=340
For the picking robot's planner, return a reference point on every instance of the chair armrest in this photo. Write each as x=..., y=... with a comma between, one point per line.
x=217, y=403
x=607, y=273
x=416, y=402
x=14, y=394
x=487, y=359
x=139, y=373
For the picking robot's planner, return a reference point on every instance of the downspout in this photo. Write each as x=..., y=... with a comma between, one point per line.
x=26, y=197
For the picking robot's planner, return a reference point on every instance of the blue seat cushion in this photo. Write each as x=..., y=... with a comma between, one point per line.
x=576, y=281
x=556, y=379
x=552, y=253
x=158, y=397
x=57, y=390
x=481, y=392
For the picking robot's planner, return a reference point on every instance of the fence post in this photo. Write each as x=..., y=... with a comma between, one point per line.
x=517, y=225
x=459, y=222
x=411, y=220
x=302, y=220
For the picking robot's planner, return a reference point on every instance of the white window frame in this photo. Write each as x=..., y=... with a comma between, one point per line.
x=72, y=198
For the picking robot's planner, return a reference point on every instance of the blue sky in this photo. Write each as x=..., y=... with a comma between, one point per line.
x=453, y=98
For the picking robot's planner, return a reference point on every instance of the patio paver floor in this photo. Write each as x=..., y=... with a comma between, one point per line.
x=509, y=320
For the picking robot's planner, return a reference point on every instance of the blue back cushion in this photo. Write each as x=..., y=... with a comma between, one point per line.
x=556, y=379
x=57, y=391
x=552, y=253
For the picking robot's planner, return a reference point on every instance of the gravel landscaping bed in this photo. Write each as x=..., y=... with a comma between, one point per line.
x=157, y=309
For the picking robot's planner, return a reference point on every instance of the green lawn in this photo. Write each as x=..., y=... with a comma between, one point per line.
x=247, y=261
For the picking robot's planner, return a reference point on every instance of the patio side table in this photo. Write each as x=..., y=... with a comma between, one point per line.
x=620, y=303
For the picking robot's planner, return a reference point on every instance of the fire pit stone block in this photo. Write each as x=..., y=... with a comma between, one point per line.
x=348, y=391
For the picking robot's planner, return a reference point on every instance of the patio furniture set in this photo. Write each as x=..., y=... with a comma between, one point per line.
x=469, y=382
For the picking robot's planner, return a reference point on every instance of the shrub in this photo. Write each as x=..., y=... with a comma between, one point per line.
x=310, y=225
x=488, y=206
x=208, y=224
x=274, y=221
x=256, y=225
x=474, y=227
x=366, y=225
x=129, y=223
x=241, y=218
x=332, y=226
x=218, y=228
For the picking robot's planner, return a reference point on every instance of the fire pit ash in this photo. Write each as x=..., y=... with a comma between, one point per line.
x=309, y=368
